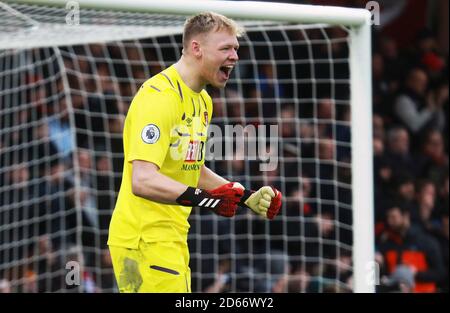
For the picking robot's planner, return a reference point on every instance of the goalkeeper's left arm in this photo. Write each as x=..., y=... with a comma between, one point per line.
x=266, y=201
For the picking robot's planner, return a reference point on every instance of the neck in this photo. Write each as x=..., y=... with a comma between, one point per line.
x=189, y=74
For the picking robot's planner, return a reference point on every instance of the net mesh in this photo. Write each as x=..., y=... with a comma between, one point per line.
x=62, y=107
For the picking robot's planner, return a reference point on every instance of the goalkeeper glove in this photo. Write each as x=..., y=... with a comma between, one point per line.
x=222, y=200
x=265, y=202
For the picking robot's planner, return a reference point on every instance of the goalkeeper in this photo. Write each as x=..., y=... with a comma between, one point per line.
x=164, y=174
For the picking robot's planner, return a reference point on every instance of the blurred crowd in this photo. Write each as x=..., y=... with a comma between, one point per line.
x=61, y=162
x=410, y=140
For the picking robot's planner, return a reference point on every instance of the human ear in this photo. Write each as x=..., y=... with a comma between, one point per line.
x=196, y=49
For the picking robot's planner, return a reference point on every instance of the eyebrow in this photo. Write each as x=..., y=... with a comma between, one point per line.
x=230, y=45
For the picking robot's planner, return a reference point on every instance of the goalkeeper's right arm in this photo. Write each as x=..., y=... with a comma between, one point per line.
x=149, y=183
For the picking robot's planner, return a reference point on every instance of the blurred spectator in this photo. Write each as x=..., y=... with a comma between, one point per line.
x=205, y=263
x=235, y=106
x=236, y=166
x=443, y=194
x=401, y=280
x=325, y=115
x=325, y=187
x=87, y=198
x=432, y=162
x=29, y=282
x=404, y=189
x=49, y=277
x=427, y=53
x=281, y=283
x=81, y=119
x=378, y=127
x=222, y=279
x=426, y=215
x=383, y=88
x=107, y=280
x=105, y=190
x=343, y=134
x=442, y=235
x=218, y=105
x=299, y=280
x=313, y=238
x=60, y=131
x=56, y=207
x=288, y=122
x=265, y=272
x=379, y=85
x=382, y=183
x=254, y=106
x=416, y=109
x=403, y=243
x=307, y=140
x=5, y=286
x=270, y=89
x=392, y=63
x=88, y=203
x=299, y=205
x=326, y=149
x=335, y=276
x=398, y=153
x=17, y=214
x=378, y=147
x=42, y=150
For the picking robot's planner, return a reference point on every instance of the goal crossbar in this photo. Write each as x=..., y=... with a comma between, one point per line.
x=285, y=12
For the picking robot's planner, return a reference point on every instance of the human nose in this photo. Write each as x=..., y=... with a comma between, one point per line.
x=234, y=56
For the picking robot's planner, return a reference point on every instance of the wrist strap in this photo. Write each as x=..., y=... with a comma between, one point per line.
x=247, y=194
x=197, y=197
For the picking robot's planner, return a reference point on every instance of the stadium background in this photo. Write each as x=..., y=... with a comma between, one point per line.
x=410, y=165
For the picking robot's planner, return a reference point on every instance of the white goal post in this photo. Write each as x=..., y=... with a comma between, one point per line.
x=358, y=24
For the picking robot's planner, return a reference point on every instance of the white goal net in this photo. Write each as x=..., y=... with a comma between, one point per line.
x=64, y=93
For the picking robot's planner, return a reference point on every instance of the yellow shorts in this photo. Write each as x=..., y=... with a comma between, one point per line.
x=153, y=267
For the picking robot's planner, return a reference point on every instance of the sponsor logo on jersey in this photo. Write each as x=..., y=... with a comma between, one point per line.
x=190, y=167
x=194, y=152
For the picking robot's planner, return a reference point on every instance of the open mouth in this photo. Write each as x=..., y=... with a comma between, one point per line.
x=226, y=70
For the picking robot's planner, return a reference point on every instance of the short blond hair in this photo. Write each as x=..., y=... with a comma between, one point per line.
x=206, y=22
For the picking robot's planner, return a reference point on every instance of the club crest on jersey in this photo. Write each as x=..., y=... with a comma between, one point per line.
x=150, y=134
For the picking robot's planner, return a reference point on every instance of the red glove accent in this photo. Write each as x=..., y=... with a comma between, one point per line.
x=229, y=199
x=275, y=205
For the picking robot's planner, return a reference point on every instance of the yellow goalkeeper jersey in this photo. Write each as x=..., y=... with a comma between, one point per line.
x=167, y=125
